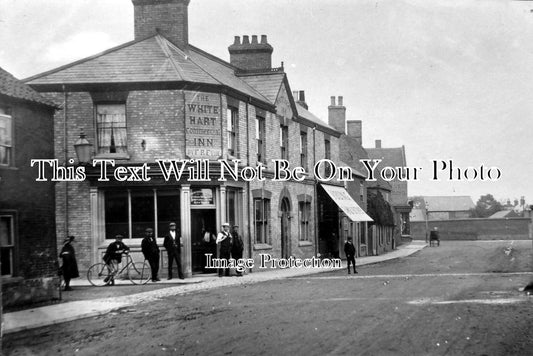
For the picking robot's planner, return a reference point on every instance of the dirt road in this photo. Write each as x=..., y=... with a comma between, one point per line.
x=458, y=299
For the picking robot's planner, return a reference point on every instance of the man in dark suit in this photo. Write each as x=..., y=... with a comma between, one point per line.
x=113, y=256
x=237, y=246
x=349, y=250
x=173, y=244
x=150, y=251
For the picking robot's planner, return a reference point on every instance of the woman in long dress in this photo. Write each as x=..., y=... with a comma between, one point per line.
x=70, y=266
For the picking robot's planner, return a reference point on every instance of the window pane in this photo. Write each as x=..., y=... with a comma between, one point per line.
x=6, y=233
x=142, y=212
x=5, y=130
x=231, y=197
x=111, y=128
x=168, y=210
x=116, y=214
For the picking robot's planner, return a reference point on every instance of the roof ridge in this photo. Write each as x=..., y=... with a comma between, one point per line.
x=86, y=59
x=165, y=47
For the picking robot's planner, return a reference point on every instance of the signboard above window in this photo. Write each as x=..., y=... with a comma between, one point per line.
x=202, y=197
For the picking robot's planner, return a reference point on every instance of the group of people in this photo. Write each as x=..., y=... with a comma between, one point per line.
x=230, y=246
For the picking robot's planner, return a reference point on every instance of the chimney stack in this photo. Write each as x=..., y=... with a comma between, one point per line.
x=251, y=56
x=354, y=129
x=378, y=143
x=168, y=17
x=337, y=115
x=299, y=97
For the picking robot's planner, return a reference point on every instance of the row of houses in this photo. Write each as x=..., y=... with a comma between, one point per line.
x=159, y=97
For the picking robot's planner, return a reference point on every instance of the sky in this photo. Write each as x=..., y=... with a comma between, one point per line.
x=449, y=80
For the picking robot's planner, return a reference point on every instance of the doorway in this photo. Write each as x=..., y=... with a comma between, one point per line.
x=285, y=228
x=203, y=238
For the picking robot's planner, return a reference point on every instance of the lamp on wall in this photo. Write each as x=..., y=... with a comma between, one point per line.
x=83, y=149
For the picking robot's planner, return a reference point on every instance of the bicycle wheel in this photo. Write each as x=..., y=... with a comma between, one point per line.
x=99, y=274
x=139, y=272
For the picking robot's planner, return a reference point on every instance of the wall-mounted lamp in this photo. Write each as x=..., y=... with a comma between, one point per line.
x=143, y=145
x=83, y=149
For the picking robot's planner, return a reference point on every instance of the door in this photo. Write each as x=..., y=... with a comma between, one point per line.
x=203, y=238
x=285, y=229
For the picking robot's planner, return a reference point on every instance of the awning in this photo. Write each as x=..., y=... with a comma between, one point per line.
x=344, y=201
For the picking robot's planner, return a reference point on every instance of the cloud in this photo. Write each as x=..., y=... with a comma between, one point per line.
x=78, y=46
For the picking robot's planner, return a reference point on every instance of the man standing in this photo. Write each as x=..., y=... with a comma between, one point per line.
x=237, y=246
x=349, y=250
x=150, y=251
x=173, y=245
x=224, y=245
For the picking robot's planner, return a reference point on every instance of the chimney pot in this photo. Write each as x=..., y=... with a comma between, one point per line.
x=332, y=101
x=254, y=39
x=245, y=40
x=264, y=39
x=378, y=143
x=340, y=100
x=237, y=40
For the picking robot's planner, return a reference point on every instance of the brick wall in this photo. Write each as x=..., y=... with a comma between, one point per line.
x=35, y=254
x=475, y=229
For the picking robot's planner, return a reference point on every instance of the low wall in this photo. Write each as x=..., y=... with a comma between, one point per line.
x=475, y=229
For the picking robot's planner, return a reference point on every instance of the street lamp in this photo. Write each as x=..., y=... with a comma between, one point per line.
x=83, y=149
x=427, y=213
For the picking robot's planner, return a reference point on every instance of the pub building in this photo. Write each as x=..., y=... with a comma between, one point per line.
x=160, y=98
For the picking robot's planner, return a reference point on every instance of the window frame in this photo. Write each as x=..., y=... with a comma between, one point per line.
x=260, y=136
x=232, y=130
x=303, y=149
x=304, y=221
x=262, y=225
x=99, y=149
x=284, y=141
x=13, y=245
x=9, y=145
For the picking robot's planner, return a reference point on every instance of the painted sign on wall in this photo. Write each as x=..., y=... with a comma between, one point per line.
x=203, y=128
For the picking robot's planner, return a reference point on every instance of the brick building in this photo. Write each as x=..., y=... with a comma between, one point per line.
x=160, y=98
x=27, y=224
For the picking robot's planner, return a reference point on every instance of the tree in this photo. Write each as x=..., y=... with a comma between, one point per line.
x=486, y=206
x=379, y=210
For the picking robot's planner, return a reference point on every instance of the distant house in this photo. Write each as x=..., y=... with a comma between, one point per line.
x=395, y=157
x=27, y=208
x=441, y=207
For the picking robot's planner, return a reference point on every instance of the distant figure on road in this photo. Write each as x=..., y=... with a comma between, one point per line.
x=349, y=250
x=69, y=268
x=237, y=246
x=434, y=236
x=151, y=252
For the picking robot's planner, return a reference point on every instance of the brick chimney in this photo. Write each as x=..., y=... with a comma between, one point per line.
x=168, y=17
x=354, y=129
x=337, y=115
x=378, y=143
x=251, y=56
x=299, y=97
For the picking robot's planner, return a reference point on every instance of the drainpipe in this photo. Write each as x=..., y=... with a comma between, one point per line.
x=315, y=194
x=65, y=150
x=249, y=194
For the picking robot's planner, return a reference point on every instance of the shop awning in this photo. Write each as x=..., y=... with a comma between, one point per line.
x=344, y=201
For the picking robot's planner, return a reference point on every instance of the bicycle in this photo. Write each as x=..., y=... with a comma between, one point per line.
x=100, y=274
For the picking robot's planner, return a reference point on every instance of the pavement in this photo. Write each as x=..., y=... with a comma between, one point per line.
x=74, y=310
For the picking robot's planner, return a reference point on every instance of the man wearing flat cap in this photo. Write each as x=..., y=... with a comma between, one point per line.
x=173, y=245
x=224, y=247
x=237, y=246
x=151, y=252
x=113, y=253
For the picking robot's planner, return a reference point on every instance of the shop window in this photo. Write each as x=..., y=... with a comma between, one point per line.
x=6, y=138
x=303, y=149
x=260, y=137
x=261, y=221
x=304, y=217
x=130, y=212
x=7, y=243
x=231, y=206
x=233, y=120
x=111, y=128
x=284, y=141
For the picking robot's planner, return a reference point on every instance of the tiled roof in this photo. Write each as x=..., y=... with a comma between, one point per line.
x=504, y=214
x=16, y=89
x=449, y=203
x=267, y=84
x=393, y=157
x=306, y=114
x=154, y=59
